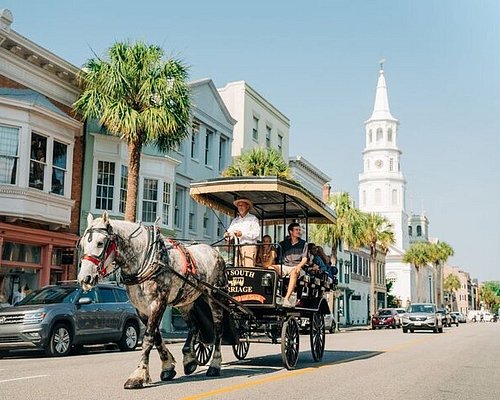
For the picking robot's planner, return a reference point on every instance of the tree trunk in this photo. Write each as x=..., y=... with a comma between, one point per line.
x=417, y=287
x=441, y=285
x=134, y=165
x=373, y=253
x=436, y=277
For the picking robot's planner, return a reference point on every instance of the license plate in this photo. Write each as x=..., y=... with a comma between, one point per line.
x=418, y=323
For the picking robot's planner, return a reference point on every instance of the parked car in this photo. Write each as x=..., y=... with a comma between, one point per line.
x=422, y=316
x=386, y=317
x=400, y=312
x=459, y=317
x=445, y=316
x=59, y=318
x=330, y=323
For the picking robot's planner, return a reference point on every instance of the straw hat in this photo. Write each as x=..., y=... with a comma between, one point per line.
x=242, y=200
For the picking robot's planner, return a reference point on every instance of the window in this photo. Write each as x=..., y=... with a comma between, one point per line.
x=370, y=136
x=123, y=187
x=222, y=153
x=268, y=137
x=194, y=140
x=179, y=207
x=59, y=159
x=255, y=129
x=419, y=230
x=105, y=185
x=9, y=143
x=394, y=196
x=166, y=203
x=106, y=295
x=280, y=143
x=121, y=296
x=364, y=197
x=207, y=222
x=410, y=230
x=208, y=145
x=389, y=135
x=38, y=161
x=149, y=199
x=192, y=215
x=368, y=164
x=379, y=134
x=220, y=226
x=378, y=196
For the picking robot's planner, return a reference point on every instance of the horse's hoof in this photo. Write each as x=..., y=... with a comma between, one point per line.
x=190, y=367
x=167, y=375
x=133, y=384
x=213, y=371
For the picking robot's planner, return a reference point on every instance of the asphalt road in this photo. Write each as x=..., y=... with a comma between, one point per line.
x=461, y=363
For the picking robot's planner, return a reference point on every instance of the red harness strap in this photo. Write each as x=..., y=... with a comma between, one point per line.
x=189, y=266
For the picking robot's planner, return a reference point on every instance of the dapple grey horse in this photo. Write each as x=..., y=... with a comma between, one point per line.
x=155, y=270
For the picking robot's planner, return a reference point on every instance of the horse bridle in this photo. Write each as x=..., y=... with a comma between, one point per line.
x=109, y=247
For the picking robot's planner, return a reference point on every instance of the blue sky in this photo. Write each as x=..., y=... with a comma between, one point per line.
x=317, y=62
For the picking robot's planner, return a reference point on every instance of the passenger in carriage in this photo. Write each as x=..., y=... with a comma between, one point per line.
x=293, y=256
x=244, y=230
x=266, y=254
x=319, y=261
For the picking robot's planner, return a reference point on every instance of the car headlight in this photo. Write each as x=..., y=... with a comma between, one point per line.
x=35, y=317
x=406, y=318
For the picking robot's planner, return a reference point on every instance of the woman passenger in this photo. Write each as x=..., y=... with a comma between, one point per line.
x=266, y=254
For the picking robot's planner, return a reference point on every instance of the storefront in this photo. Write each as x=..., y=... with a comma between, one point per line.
x=32, y=258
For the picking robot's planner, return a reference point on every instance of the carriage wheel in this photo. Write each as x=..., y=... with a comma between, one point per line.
x=203, y=352
x=290, y=341
x=317, y=335
x=240, y=349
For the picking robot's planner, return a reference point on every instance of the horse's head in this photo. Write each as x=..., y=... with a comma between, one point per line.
x=98, y=250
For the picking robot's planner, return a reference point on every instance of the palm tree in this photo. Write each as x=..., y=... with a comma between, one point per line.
x=418, y=256
x=439, y=254
x=347, y=227
x=451, y=284
x=259, y=162
x=139, y=97
x=377, y=234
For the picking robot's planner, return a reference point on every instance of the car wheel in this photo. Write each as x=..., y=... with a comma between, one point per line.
x=60, y=341
x=130, y=337
x=412, y=330
x=332, y=327
x=405, y=330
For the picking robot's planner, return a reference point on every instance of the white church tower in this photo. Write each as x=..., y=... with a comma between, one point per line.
x=382, y=186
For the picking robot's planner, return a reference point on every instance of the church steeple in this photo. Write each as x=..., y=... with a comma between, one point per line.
x=381, y=109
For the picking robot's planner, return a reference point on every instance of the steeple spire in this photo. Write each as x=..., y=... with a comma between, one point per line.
x=381, y=108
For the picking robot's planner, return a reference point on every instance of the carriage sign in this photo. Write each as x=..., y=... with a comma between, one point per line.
x=245, y=285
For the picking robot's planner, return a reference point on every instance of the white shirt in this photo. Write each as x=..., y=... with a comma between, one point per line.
x=249, y=227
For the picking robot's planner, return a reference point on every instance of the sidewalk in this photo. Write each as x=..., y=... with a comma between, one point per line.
x=352, y=328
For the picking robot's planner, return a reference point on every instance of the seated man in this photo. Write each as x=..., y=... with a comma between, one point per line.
x=293, y=255
x=246, y=229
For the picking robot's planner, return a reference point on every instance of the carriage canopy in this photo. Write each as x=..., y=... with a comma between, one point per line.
x=273, y=198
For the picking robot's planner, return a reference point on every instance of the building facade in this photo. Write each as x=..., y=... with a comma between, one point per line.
x=259, y=123
x=40, y=163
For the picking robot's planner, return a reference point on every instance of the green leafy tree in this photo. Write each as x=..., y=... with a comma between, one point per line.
x=439, y=254
x=451, y=285
x=418, y=256
x=494, y=286
x=346, y=229
x=259, y=162
x=140, y=97
x=377, y=234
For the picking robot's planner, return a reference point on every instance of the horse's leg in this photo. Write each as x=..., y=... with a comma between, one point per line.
x=141, y=374
x=218, y=315
x=189, y=361
x=167, y=359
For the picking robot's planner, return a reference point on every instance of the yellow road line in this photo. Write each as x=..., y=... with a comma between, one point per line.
x=289, y=374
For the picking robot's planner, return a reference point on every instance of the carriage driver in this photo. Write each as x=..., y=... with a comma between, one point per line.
x=246, y=229
x=293, y=255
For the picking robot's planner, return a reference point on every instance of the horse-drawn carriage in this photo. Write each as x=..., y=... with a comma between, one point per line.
x=221, y=301
x=256, y=302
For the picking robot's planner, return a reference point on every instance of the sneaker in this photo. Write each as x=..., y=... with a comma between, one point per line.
x=287, y=304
